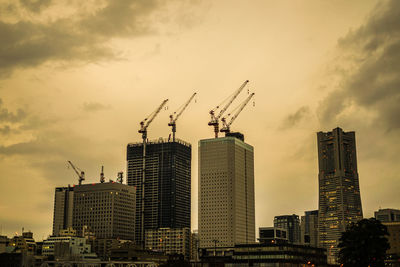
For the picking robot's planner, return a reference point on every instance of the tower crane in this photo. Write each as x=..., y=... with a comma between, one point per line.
x=178, y=114
x=215, y=118
x=226, y=125
x=144, y=124
x=79, y=172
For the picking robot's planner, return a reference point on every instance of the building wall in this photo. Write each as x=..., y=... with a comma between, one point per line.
x=309, y=228
x=292, y=225
x=167, y=183
x=387, y=215
x=170, y=241
x=339, y=191
x=63, y=208
x=226, y=192
x=108, y=209
x=394, y=237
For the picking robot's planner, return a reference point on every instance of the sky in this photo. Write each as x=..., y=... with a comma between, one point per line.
x=76, y=78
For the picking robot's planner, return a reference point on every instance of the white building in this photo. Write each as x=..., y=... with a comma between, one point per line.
x=226, y=192
x=76, y=245
x=170, y=241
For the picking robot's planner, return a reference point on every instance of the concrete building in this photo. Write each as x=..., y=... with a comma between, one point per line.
x=107, y=209
x=170, y=241
x=3, y=243
x=387, y=215
x=63, y=208
x=24, y=242
x=268, y=255
x=309, y=228
x=393, y=253
x=226, y=192
x=75, y=246
x=291, y=223
x=272, y=235
x=194, y=246
x=167, y=184
x=339, y=191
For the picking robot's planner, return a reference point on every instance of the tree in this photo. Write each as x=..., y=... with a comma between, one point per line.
x=364, y=244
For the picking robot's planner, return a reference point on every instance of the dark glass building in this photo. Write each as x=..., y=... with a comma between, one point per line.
x=339, y=191
x=292, y=225
x=167, y=184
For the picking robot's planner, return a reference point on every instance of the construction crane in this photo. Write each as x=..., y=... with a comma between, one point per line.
x=79, y=172
x=226, y=126
x=177, y=114
x=144, y=124
x=215, y=118
x=102, y=178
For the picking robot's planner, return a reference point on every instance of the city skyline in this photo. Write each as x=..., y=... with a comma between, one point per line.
x=84, y=104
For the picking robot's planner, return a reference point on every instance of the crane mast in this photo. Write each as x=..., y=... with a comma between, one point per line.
x=81, y=175
x=215, y=118
x=226, y=126
x=173, y=120
x=143, y=130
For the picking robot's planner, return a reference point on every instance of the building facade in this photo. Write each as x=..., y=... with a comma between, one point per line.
x=272, y=235
x=63, y=208
x=226, y=192
x=339, y=191
x=194, y=246
x=393, y=253
x=107, y=209
x=292, y=225
x=167, y=184
x=170, y=241
x=387, y=215
x=309, y=228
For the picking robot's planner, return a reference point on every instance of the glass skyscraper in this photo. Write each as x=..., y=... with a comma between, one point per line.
x=339, y=190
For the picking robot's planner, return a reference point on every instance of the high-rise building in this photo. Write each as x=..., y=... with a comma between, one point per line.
x=387, y=215
x=339, y=191
x=309, y=228
x=292, y=225
x=272, y=235
x=226, y=192
x=63, y=208
x=107, y=209
x=167, y=184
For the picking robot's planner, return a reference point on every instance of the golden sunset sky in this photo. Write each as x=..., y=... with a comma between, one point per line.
x=77, y=77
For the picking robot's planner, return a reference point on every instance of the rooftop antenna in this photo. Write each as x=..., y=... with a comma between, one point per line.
x=102, y=178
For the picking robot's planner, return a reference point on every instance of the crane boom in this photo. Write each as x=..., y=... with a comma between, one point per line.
x=173, y=120
x=226, y=126
x=81, y=175
x=146, y=122
x=215, y=119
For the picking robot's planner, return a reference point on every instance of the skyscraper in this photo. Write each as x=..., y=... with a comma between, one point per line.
x=339, y=191
x=63, y=208
x=167, y=184
x=226, y=192
x=108, y=209
x=291, y=223
x=309, y=228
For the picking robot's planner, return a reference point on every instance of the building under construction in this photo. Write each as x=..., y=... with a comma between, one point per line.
x=166, y=186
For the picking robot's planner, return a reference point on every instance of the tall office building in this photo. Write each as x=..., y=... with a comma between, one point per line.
x=108, y=209
x=339, y=191
x=63, y=207
x=226, y=192
x=167, y=184
x=309, y=228
x=291, y=223
x=387, y=215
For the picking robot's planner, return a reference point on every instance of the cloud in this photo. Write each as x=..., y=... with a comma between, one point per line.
x=7, y=116
x=94, y=106
x=293, y=119
x=82, y=37
x=371, y=82
x=35, y=5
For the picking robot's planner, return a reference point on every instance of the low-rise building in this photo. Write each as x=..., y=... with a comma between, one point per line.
x=393, y=253
x=276, y=255
x=65, y=246
x=170, y=241
x=24, y=242
x=387, y=215
x=272, y=235
x=194, y=246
